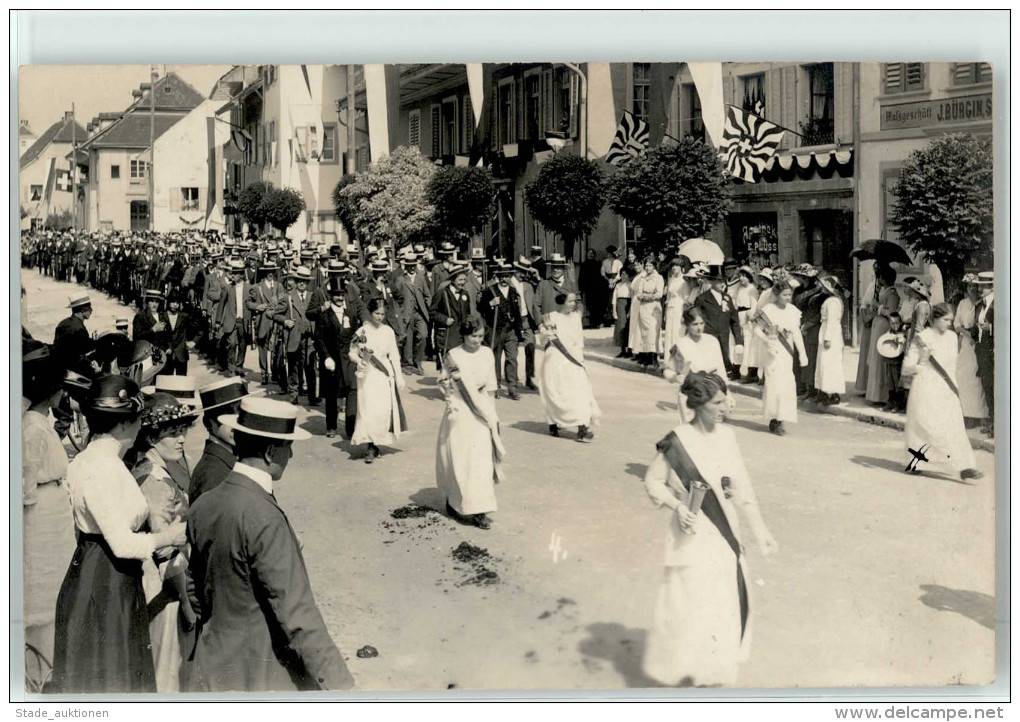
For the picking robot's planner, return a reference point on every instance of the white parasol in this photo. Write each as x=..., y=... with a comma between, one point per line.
x=701, y=250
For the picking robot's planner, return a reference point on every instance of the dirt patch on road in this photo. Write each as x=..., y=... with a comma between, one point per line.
x=478, y=565
x=412, y=511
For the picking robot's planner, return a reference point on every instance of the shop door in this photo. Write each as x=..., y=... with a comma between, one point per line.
x=829, y=237
x=139, y=216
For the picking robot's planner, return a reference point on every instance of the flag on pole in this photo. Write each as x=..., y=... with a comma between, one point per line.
x=51, y=178
x=749, y=142
x=631, y=140
x=63, y=181
x=479, y=77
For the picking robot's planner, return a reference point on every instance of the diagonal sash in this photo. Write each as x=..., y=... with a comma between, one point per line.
x=563, y=350
x=685, y=468
x=498, y=450
x=941, y=371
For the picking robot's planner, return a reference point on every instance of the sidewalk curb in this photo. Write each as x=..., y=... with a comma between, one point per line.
x=865, y=416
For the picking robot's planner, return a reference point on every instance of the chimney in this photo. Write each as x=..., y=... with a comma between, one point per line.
x=24, y=126
x=67, y=115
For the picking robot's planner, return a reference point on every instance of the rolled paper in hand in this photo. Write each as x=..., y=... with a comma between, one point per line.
x=698, y=491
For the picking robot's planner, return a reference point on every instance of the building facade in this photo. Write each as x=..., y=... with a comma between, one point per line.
x=25, y=137
x=44, y=181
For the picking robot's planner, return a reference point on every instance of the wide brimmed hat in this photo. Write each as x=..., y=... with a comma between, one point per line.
x=164, y=411
x=267, y=418
x=804, y=269
x=891, y=345
x=153, y=294
x=42, y=372
x=985, y=278
x=697, y=270
x=766, y=273
x=379, y=266
x=182, y=388
x=111, y=345
x=524, y=265
x=114, y=394
x=748, y=271
x=503, y=269
x=556, y=260
x=301, y=273
x=78, y=300
x=142, y=361
x=334, y=267
x=914, y=284
x=446, y=249
x=831, y=284
x=223, y=392
x=268, y=268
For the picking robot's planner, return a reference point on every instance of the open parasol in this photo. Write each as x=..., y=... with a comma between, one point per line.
x=701, y=250
x=882, y=251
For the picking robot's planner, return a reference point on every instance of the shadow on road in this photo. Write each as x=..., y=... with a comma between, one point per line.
x=973, y=605
x=625, y=648
x=432, y=394
x=534, y=427
x=746, y=424
x=428, y=380
x=874, y=462
x=431, y=497
x=666, y=406
x=638, y=470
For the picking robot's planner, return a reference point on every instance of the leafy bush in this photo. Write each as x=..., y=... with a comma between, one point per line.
x=249, y=203
x=673, y=192
x=281, y=207
x=567, y=198
x=345, y=211
x=462, y=197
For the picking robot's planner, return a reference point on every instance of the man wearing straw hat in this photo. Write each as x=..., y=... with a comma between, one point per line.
x=215, y=399
x=291, y=312
x=259, y=627
x=263, y=298
x=71, y=340
x=983, y=333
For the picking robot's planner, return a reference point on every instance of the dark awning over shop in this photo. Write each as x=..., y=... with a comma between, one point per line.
x=807, y=166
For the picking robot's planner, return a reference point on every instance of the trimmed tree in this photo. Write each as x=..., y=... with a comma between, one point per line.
x=387, y=203
x=943, y=204
x=462, y=197
x=567, y=198
x=249, y=203
x=281, y=207
x=673, y=192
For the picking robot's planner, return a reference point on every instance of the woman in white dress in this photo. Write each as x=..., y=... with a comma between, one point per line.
x=934, y=416
x=753, y=347
x=830, y=378
x=701, y=629
x=49, y=526
x=646, y=314
x=469, y=450
x=972, y=396
x=745, y=296
x=564, y=384
x=678, y=290
x=380, y=379
x=779, y=329
x=696, y=352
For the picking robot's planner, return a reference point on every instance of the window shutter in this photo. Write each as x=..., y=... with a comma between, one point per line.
x=547, y=101
x=575, y=92
x=893, y=77
x=175, y=200
x=414, y=129
x=963, y=73
x=468, y=123
x=455, y=136
x=437, y=118
x=914, y=76
x=202, y=193
x=984, y=72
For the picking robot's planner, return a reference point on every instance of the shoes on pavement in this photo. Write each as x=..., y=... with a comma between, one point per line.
x=372, y=454
x=314, y=402
x=776, y=427
x=584, y=435
x=530, y=384
x=481, y=521
x=513, y=395
x=832, y=400
x=330, y=433
x=554, y=430
x=622, y=354
x=294, y=399
x=971, y=474
x=418, y=370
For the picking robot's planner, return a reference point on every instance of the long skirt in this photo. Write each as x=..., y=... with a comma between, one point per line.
x=646, y=326
x=621, y=331
x=566, y=391
x=674, y=327
x=935, y=420
x=829, y=375
x=102, y=628
x=862, y=359
x=464, y=463
x=780, y=397
x=972, y=396
x=876, y=390
x=380, y=414
x=49, y=546
x=696, y=628
x=753, y=353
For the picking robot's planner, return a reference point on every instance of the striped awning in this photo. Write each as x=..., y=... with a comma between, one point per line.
x=806, y=166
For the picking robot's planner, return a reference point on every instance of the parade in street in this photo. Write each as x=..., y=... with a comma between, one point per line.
x=262, y=457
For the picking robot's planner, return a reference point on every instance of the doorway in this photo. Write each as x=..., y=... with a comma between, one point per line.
x=139, y=216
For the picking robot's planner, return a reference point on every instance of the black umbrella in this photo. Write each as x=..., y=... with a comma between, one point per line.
x=882, y=251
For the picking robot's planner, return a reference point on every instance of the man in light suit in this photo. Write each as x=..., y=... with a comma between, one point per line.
x=291, y=312
x=233, y=321
x=259, y=628
x=262, y=301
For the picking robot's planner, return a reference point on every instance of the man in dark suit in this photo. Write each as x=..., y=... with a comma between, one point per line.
x=415, y=310
x=549, y=288
x=218, y=398
x=720, y=314
x=233, y=321
x=450, y=306
x=179, y=324
x=151, y=324
x=259, y=628
x=530, y=321
x=71, y=341
x=291, y=312
x=263, y=298
x=476, y=278
x=501, y=308
x=983, y=333
x=335, y=326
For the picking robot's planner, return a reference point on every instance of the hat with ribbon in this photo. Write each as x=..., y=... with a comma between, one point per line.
x=336, y=267
x=114, y=394
x=152, y=294
x=267, y=418
x=556, y=260
x=458, y=268
x=224, y=391
x=477, y=254
x=446, y=249
x=804, y=269
x=985, y=278
x=79, y=300
x=916, y=285
x=379, y=266
x=503, y=269
x=236, y=266
x=121, y=324
x=536, y=250
x=182, y=388
x=301, y=273
x=523, y=264
x=891, y=345
x=713, y=272
x=164, y=411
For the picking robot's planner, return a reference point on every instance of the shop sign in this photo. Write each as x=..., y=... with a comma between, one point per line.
x=927, y=113
x=760, y=238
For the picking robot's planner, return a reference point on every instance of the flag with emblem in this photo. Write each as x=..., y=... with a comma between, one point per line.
x=631, y=140
x=63, y=181
x=749, y=142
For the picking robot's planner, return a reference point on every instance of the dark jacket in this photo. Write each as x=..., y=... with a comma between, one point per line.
x=506, y=314
x=259, y=627
x=446, y=305
x=179, y=336
x=719, y=321
x=216, y=462
x=333, y=339
x=142, y=329
x=71, y=341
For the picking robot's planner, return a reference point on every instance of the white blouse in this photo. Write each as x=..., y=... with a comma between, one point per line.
x=106, y=499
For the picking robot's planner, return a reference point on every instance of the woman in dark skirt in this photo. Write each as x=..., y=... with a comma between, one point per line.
x=102, y=625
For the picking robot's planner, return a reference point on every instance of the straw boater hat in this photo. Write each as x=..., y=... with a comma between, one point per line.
x=524, y=265
x=556, y=260
x=301, y=273
x=916, y=285
x=503, y=269
x=78, y=300
x=537, y=251
x=985, y=278
x=236, y=266
x=153, y=294
x=181, y=388
x=379, y=266
x=223, y=392
x=336, y=267
x=446, y=249
x=458, y=268
x=267, y=418
x=891, y=345
x=121, y=324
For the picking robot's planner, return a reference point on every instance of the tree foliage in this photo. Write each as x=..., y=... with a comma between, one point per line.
x=567, y=197
x=673, y=192
x=281, y=207
x=943, y=203
x=249, y=202
x=344, y=207
x=387, y=203
x=462, y=198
